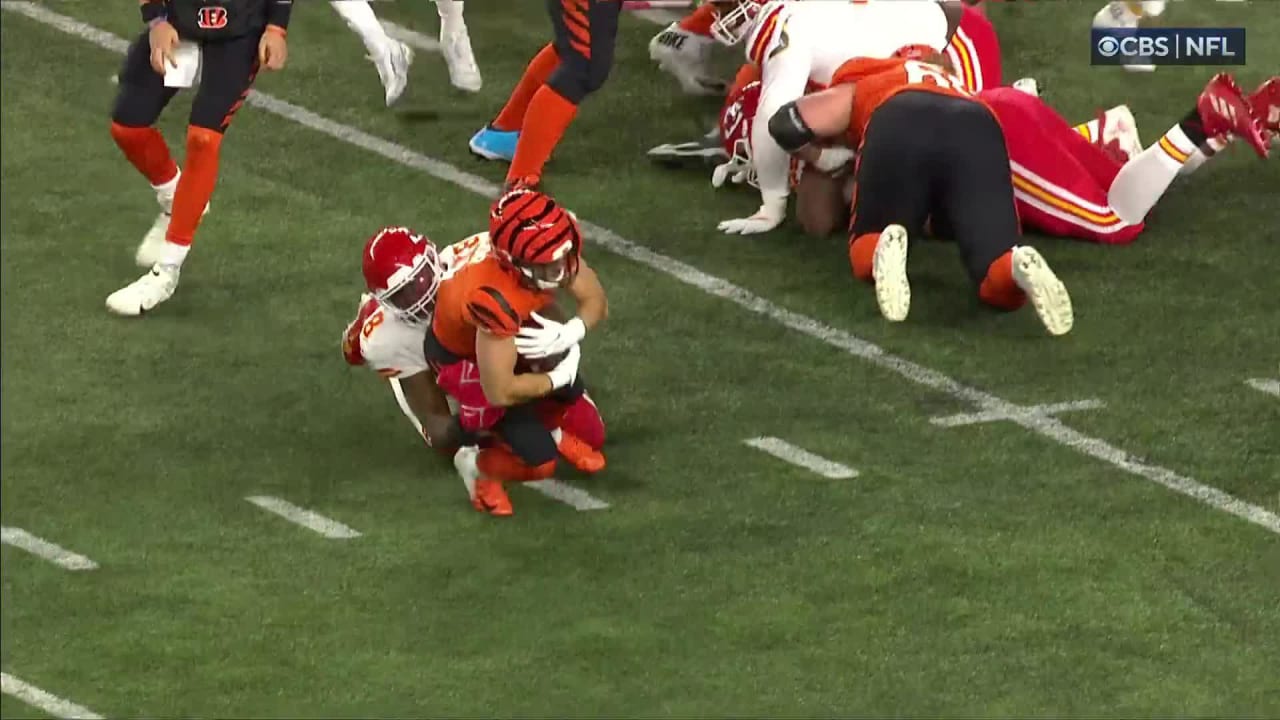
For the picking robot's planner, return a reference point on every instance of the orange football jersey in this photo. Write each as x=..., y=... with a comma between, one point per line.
x=482, y=295
x=875, y=81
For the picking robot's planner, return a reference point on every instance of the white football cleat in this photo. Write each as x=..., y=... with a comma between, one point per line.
x=464, y=461
x=889, y=269
x=1118, y=14
x=393, y=69
x=146, y=292
x=687, y=57
x=1120, y=126
x=1047, y=293
x=455, y=45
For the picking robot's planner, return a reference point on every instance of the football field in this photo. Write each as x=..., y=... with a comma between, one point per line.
x=807, y=511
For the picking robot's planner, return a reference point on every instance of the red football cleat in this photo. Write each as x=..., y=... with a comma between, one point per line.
x=1223, y=110
x=1265, y=103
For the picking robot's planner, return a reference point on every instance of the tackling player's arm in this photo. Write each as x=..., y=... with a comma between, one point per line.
x=428, y=404
x=785, y=72
x=826, y=114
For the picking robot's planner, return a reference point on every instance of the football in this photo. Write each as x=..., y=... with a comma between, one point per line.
x=541, y=365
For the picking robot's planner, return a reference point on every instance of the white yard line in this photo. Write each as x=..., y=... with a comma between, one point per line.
x=787, y=452
x=580, y=500
x=56, y=554
x=308, y=519
x=1270, y=387
x=657, y=17
x=1046, y=426
x=987, y=416
x=45, y=701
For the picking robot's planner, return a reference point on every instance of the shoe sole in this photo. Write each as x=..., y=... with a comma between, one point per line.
x=889, y=269
x=1048, y=294
x=486, y=154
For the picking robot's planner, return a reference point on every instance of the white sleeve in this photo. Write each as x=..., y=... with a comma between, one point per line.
x=785, y=77
x=394, y=348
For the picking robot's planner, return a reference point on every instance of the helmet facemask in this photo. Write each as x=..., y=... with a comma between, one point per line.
x=411, y=291
x=558, y=273
x=734, y=20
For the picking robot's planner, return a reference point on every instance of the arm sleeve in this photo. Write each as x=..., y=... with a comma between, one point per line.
x=152, y=9
x=278, y=12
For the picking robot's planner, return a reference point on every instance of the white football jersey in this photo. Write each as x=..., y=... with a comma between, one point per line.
x=799, y=46
x=393, y=346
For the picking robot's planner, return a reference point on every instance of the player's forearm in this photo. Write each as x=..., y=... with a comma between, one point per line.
x=771, y=161
x=516, y=389
x=593, y=304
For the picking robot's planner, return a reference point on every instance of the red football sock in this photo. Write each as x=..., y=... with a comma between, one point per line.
x=550, y=114
x=535, y=76
x=998, y=288
x=195, y=187
x=499, y=463
x=146, y=149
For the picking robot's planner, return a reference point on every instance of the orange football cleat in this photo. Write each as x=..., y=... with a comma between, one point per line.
x=1223, y=110
x=579, y=454
x=491, y=497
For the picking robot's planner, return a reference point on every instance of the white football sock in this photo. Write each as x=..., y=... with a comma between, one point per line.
x=174, y=254
x=360, y=18
x=450, y=10
x=1142, y=180
x=1200, y=157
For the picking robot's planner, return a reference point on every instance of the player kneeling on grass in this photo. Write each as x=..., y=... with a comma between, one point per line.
x=488, y=313
x=403, y=272
x=928, y=151
x=225, y=43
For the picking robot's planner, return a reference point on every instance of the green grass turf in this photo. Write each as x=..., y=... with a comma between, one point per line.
x=980, y=570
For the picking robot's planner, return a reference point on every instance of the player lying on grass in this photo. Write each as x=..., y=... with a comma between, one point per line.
x=403, y=273
x=1067, y=186
x=928, y=151
x=683, y=48
x=799, y=46
x=225, y=44
x=489, y=313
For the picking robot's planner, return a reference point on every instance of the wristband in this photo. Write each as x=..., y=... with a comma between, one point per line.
x=153, y=12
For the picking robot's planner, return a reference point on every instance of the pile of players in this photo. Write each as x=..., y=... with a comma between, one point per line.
x=888, y=118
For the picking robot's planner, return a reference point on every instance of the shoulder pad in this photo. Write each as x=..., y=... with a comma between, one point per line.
x=767, y=34
x=491, y=311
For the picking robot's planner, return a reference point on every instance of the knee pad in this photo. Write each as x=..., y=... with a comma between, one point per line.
x=203, y=139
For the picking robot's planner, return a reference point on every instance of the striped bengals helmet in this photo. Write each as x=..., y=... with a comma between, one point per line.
x=535, y=237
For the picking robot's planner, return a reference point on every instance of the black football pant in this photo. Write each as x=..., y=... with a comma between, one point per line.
x=585, y=34
x=521, y=427
x=928, y=156
x=229, y=68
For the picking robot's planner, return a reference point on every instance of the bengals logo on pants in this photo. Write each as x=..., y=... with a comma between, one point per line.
x=212, y=18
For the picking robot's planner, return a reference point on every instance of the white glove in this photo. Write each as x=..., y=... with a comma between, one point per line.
x=735, y=171
x=833, y=158
x=550, y=338
x=566, y=372
x=769, y=216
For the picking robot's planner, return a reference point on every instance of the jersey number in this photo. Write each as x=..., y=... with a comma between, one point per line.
x=372, y=324
x=464, y=253
x=919, y=73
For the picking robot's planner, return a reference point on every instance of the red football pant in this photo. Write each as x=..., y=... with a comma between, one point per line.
x=1060, y=179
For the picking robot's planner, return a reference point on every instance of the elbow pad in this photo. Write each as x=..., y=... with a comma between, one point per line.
x=789, y=129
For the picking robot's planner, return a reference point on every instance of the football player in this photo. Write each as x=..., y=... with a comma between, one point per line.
x=927, y=151
x=403, y=272
x=489, y=312
x=545, y=101
x=392, y=58
x=226, y=43
x=799, y=46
